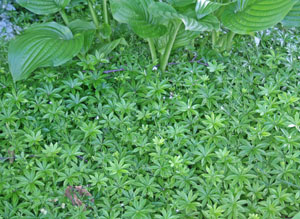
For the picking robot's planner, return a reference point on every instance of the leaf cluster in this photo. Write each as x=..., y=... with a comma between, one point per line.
x=216, y=141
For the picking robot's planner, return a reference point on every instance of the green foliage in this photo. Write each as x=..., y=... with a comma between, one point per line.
x=206, y=7
x=293, y=17
x=88, y=29
x=44, y=6
x=165, y=25
x=135, y=13
x=256, y=15
x=245, y=17
x=211, y=138
x=161, y=23
x=42, y=45
x=52, y=44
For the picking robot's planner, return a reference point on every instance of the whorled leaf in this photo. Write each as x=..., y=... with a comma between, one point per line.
x=43, y=6
x=42, y=45
x=257, y=15
x=135, y=13
x=163, y=10
x=293, y=17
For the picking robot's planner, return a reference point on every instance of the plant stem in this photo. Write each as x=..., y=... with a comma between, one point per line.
x=214, y=38
x=165, y=58
x=105, y=14
x=152, y=50
x=93, y=13
x=64, y=16
x=229, y=40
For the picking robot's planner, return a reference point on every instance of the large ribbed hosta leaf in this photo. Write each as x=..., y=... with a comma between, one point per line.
x=135, y=13
x=293, y=17
x=257, y=15
x=42, y=45
x=206, y=7
x=163, y=10
x=43, y=6
x=181, y=3
x=88, y=29
x=184, y=38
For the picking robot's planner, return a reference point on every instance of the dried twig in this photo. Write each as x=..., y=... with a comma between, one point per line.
x=71, y=194
x=12, y=155
x=112, y=71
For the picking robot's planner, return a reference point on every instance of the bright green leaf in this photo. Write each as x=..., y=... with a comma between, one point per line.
x=257, y=15
x=181, y=3
x=206, y=7
x=108, y=47
x=163, y=10
x=43, y=6
x=297, y=216
x=105, y=31
x=135, y=13
x=87, y=28
x=42, y=45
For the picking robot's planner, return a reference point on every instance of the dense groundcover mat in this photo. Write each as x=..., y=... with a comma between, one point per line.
x=215, y=136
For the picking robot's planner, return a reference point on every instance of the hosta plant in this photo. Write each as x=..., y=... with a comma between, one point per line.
x=53, y=44
x=174, y=23
x=166, y=26
x=244, y=16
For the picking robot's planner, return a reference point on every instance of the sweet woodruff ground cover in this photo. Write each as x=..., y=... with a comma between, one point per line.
x=213, y=140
